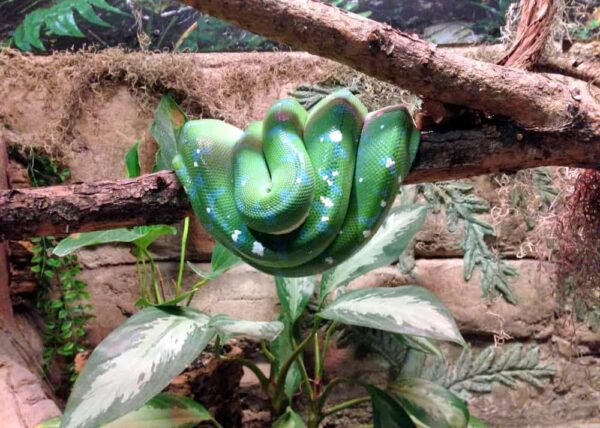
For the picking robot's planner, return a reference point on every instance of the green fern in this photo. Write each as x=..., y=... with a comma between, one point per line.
x=461, y=205
x=507, y=366
x=59, y=20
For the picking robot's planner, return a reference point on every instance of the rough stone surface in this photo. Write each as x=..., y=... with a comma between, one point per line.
x=243, y=292
x=25, y=399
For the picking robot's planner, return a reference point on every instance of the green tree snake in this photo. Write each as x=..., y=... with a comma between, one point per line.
x=299, y=192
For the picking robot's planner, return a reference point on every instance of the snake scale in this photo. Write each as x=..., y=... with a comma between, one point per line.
x=299, y=192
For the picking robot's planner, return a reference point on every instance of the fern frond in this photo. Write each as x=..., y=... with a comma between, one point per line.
x=59, y=20
x=462, y=206
x=507, y=366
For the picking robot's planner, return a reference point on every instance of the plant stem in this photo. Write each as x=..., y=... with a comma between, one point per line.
x=342, y=406
x=215, y=423
x=251, y=365
x=139, y=277
x=277, y=397
x=265, y=351
x=165, y=31
x=326, y=339
x=157, y=295
x=186, y=226
x=197, y=286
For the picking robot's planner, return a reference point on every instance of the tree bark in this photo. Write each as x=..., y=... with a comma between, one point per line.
x=535, y=102
x=158, y=198
x=6, y=311
x=533, y=30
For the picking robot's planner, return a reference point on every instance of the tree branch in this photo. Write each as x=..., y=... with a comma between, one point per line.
x=6, y=312
x=533, y=30
x=534, y=101
x=158, y=198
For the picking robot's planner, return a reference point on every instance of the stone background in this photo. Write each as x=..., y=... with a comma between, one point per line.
x=116, y=112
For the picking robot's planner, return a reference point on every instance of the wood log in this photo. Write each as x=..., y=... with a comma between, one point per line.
x=159, y=199
x=536, y=102
x=6, y=312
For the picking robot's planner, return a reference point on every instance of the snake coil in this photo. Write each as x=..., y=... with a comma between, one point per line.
x=299, y=192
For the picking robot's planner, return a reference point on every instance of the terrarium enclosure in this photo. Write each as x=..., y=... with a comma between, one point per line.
x=473, y=301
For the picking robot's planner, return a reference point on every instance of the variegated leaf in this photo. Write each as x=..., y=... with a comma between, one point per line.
x=294, y=294
x=409, y=310
x=387, y=411
x=135, y=362
x=431, y=404
x=162, y=411
x=229, y=327
x=392, y=238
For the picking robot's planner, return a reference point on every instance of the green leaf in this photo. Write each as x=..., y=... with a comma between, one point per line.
x=431, y=404
x=387, y=411
x=141, y=236
x=393, y=237
x=62, y=22
x=87, y=12
x=289, y=419
x=162, y=411
x=228, y=327
x=282, y=348
x=221, y=261
x=294, y=294
x=149, y=234
x=168, y=121
x=135, y=362
x=50, y=423
x=409, y=310
x=476, y=423
x=132, y=161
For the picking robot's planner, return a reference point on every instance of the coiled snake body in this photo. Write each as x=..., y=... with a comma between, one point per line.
x=299, y=192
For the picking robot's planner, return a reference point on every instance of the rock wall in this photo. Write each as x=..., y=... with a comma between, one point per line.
x=114, y=109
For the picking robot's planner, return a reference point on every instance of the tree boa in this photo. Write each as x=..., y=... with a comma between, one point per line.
x=299, y=192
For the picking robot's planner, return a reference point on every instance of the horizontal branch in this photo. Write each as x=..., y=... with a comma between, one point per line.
x=531, y=100
x=158, y=198
x=61, y=210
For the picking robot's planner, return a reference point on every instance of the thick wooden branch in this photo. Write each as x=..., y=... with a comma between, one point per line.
x=535, y=25
x=61, y=210
x=158, y=198
x=6, y=312
x=533, y=101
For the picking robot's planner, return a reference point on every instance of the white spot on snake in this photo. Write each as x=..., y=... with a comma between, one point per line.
x=326, y=201
x=244, y=182
x=336, y=136
x=389, y=163
x=341, y=231
x=257, y=248
x=329, y=260
x=328, y=180
x=298, y=180
x=383, y=203
x=324, y=218
x=198, y=151
x=322, y=139
x=360, y=180
x=195, y=164
x=366, y=233
x=382, y=126
x=208, y=210
x=235, y=235
x=335, y=173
